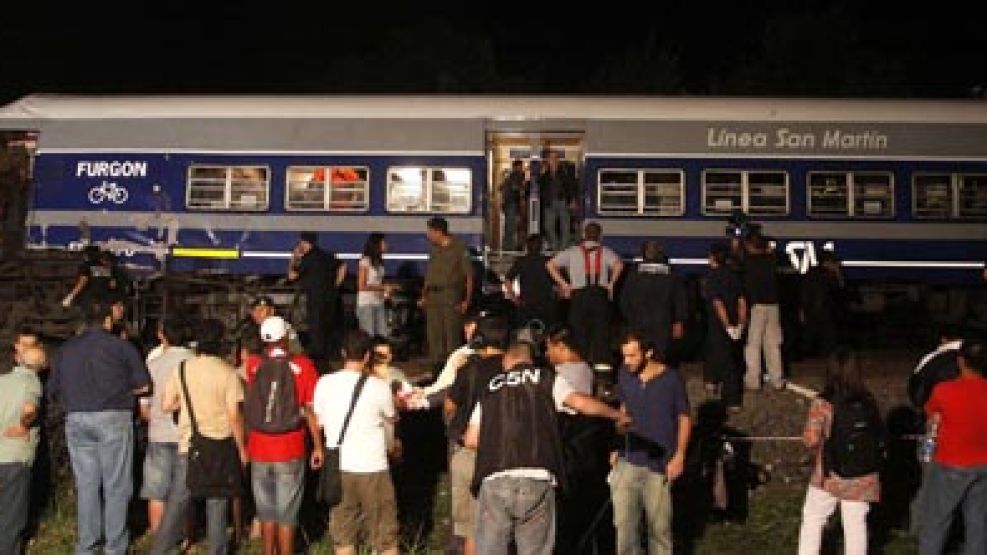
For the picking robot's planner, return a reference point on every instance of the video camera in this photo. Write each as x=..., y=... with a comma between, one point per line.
x=739, y=225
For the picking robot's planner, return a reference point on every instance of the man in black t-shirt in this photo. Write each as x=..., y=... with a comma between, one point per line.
x=822, y=305
x=512, y=191
x=488, y=343
x=536, y=295
x=319, y=275
x=98, y=279
x=653, y=300
x=764, y=334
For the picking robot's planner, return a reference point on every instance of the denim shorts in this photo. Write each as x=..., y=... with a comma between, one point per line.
x=278, y=488
x=159, y=470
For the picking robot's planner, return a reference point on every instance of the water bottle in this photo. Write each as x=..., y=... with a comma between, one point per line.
x=928, y=446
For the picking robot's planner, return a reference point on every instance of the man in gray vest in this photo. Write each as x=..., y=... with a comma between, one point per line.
x=593, y=269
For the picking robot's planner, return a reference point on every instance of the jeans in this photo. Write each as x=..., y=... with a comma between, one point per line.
x=15, y=485
x=819, y=504
x=160, y=466
x=764, y=333
x=278, y=488
x=950, y=489
x=515, y=510
x=373, y=319
x=101, y=446
x=172, y=528
x=636, y=489
x=557, y=214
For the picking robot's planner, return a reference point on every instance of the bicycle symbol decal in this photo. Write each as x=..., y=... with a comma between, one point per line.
x=108, y=191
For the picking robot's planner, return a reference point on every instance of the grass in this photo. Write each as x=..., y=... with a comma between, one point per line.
x=772, y=522
x=772, y=527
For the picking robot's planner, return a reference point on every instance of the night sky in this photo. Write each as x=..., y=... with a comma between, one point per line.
x=784, y=48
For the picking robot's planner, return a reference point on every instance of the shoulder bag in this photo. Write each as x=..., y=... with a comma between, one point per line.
x=213, y=464
x=330, y=489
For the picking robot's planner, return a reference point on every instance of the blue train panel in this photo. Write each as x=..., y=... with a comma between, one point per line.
x=140, y=206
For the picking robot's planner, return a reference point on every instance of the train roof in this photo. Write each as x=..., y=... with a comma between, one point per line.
x=34, y=109
x=616, y=126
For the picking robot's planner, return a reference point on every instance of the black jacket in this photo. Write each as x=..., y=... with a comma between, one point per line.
x=519, y=428
x=939, y=367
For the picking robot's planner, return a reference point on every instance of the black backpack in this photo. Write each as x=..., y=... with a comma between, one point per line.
x=271, y=404
x=855, y=445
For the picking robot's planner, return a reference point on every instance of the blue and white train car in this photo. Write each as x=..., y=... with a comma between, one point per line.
x=225, y=183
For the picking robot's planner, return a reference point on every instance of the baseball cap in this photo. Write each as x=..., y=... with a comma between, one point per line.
x=273, y=329
x=262, y=300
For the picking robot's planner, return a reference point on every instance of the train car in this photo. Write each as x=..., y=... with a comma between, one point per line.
x=897, y=188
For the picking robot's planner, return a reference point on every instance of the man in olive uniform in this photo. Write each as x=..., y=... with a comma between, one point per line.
x=448, y=289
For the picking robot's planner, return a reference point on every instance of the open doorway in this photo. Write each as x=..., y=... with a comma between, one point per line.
x=527, y=153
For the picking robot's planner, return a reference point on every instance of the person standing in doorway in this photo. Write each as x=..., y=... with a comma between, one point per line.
x=557, y=192
x=593, y=271
x=319, y=275
x=447, y=291
x=512, y=191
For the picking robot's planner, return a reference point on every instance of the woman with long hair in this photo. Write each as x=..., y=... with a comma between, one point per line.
x=371, y=289
x=837, y=479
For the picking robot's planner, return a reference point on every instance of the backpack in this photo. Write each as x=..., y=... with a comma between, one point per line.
x=855, y=445
x=271, y=404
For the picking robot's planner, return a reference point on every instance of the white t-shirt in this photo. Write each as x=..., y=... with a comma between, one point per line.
x=364, y=449
x=580, y=376
x=161, y=427
x=375, y=276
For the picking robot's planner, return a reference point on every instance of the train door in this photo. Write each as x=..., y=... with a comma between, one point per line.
x=532, y=150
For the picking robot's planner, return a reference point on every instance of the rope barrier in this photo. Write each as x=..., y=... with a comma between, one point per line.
x=754, y=439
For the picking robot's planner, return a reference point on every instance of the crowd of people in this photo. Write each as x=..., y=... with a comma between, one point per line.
x=534, y=449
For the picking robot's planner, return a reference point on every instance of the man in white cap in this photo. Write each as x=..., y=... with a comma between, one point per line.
x=278, y=457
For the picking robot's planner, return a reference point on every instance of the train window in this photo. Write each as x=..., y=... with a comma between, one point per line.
x=873, y=195
x=227, y=188
x=767, y=193
x=618, y=192
x=416, y=189
x=758, y=193
x=829, y=194
x=328, y=188
x=932, y=196
x=850, y=194
x=723, y=192
x=663, y=193
x=641, y=192
x=972, y=196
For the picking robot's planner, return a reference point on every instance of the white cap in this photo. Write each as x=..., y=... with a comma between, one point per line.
x=273, y=329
